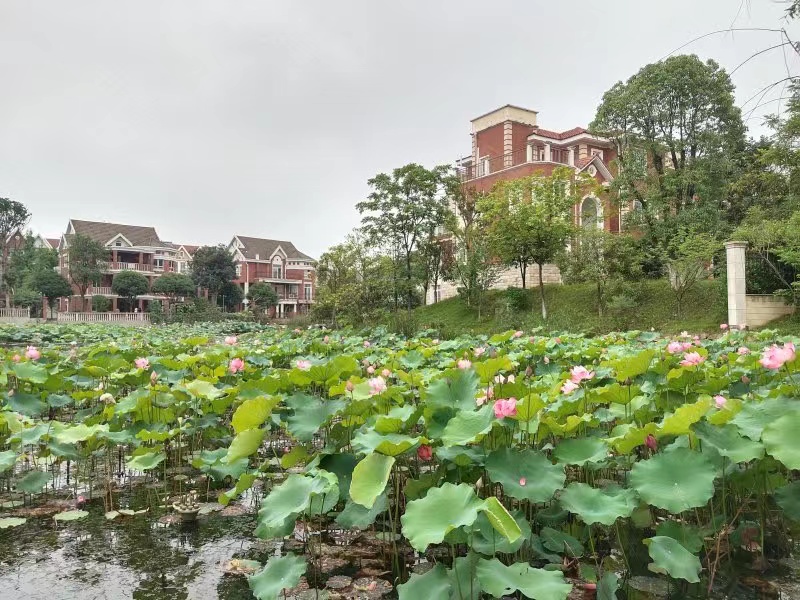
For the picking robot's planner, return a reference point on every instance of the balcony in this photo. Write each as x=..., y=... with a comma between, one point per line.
x=116, y=267
x=100, y=291
x=488, y=165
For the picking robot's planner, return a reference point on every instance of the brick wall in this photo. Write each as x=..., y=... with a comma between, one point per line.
x=508, y=278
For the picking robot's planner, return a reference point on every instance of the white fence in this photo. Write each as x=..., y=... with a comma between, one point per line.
x=17, y=316
x=105, y=317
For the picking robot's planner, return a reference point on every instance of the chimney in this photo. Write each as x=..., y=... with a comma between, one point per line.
x=256, y=256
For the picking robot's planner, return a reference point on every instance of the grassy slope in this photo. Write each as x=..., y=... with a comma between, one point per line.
x=573, y=308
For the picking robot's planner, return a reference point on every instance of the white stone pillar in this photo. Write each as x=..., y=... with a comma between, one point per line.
x=528, y=153
x=737, y=291
x=547, y=153
x=571, y=156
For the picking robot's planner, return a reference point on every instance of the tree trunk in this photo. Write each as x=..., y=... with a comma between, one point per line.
x=541, y=293
x=599, y=299
x=409, y=289
x=523, y=271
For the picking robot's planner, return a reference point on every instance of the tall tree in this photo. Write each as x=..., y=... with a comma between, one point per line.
x=174, y=286
x=87, y=258
x=262, y=296
x=25, y=260
x=404, y=209
x=51, y=285
x=13, y=217
x=212, y=268
x=130, y=285
x=231, y=295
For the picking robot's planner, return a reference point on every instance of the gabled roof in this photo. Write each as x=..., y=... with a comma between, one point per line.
x=250, y=247
x=594, y=159
x=190, y=250
x=105, y=232
x=559, y=136
x=53, y=242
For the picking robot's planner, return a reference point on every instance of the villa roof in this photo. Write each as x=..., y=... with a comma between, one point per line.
x=104, y=232
x=560, y=136
x=264, y=248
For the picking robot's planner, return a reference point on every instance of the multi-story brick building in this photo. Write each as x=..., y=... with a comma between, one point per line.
x=290, y=272
x=508, y=144
x=130, y=247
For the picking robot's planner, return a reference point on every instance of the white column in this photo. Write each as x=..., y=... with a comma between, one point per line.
x=547, y=152
x=571, y=156
x=528, y=153
x=737, y=292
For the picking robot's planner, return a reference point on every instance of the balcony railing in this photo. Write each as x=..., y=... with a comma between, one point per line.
x=101, y=291
x=104, y=317
x=487, y=165
x=126, y=266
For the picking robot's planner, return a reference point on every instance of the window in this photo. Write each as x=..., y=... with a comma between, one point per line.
x=277, y=269
x=238, y=269
x=591, y=215
x=118, y=244
x=307, y=291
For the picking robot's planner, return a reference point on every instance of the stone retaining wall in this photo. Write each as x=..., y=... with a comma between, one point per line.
x=508, y=278
x=763, y=308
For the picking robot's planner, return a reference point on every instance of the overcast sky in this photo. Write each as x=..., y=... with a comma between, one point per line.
x=262, y=118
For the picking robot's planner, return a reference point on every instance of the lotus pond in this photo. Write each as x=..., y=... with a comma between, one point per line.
x=186, y=462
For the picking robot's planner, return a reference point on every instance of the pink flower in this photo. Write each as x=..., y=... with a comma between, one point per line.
x=142, y=363
x=579, y=373
x=674, y=347
x=720, y=401
x=386, y=373
x=532, y=340
x=365, y=362
x=16, y=358
x=370, y=370
x=569, y=387
x=745, y=379
x=505, y=408
x=479, y=351
x=153, y=377
x=367, y=344
x=723, y=326
x=522, y=481
x=377, y=385
x=236, y=365
x=775, y=357
x=349, y=386
x=303, y=365
x=297, y=330
x=558, y=340
x=481, y=400
x=518, y=334
x=743, y=351
x=33, y=353
x=464, y=364
x=326, y=339
x=425, y=452
x=650, y=442
x=231, y=340
x=692, y=359
x=696, y=338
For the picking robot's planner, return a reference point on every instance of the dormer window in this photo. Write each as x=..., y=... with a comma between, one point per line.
x=277, y=268
x=118, y=244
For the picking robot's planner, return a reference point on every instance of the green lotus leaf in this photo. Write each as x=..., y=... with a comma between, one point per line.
x=309, y=414
x=487, y=369
x=326, y=497
x=558, y=541
x=788, y=498
x=428, y=520
x=33, y=482
x=670, y=557
x=341, y=465
x=525, y=474
x=631, y=366
x=6, y=522
x=594, y=505
x=607, y=586
x=581, y=451
x=77, y=433
x=680, y=422
x=8, y=459
x=31, y=371
x=280, y=508
x=457, y=390
x=754, y=416
x=29, y=405
x=280, y=573
x=687, y=536
x=204, y=389
x=631, y=437
x=244, y=483
x=464, y=584
x=355, y=516
x=391, y=444
x=433, y=585
x=244, y=444
x=253, y=412
x=780, y=439
x=59, y=400
x=727, y=441
x=487, y=539
x=369, y=478
x=500, y=580
x=467, y=426
x=71, y=515
x=501, y=519
x=145, y=462
x=528, y=409
x=69, y=451
x=675, y=481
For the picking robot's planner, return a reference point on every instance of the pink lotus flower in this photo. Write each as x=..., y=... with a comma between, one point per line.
x=696, y=338
x=297, y=330
x=464, y=364
x=349, y=386
x=650, y=442
x=142, y=363
x=386, y=373
x=425, y=452
x=236, y=365
x=720, y=401
x=479, y=351
x=522, y=481
x=377, y=385
x=745, y=379
x=723, y=326
x=16, y=358
x=481, y=400
x=370, y=370
x=326, y=339
x=558, y=340
x=676, y=347
x=303, y=365
x=367, y=344
x=580, y=373
x=775, y=357
x=743, y=351
x=33, y=353
x=505, y=408
x=153, y=377
x=692, y=359
x=532, y=340
x=231, y=340
x=569, y=387
x=518, y=334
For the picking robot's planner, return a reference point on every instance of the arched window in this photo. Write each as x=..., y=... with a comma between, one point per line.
x=591, y=213
x=277, y=268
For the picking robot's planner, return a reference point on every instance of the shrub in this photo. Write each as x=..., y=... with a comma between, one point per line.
x=101, y=304
x=518, y=299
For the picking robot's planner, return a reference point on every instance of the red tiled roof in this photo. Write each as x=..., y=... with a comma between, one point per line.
x=189, y=248
x=559, y=136
x=53, y=242
x=582, y=162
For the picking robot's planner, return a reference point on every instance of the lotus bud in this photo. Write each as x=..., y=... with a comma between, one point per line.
x=107, y=399
x=745, y=379
x=349, y=386
x=528, y=371
x=651, y=442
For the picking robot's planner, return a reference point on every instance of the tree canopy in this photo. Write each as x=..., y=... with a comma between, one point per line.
x=174, y=285
x=212, y=268
x=13, y=216
x=130, y=285
x=262, y=296
x=87, y=258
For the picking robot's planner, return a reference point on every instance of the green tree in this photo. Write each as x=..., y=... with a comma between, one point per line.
x=27, y=259
x=13, y=216
x=174, y=286
x=231, y=295
x=212, y=268
x=130, y=285
x=404, y=209
x=693, y=258
x=528, y=221
x=87, y=259
x=601, y=258
x=51, y=285
x=101, y=303
x=262, y=296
